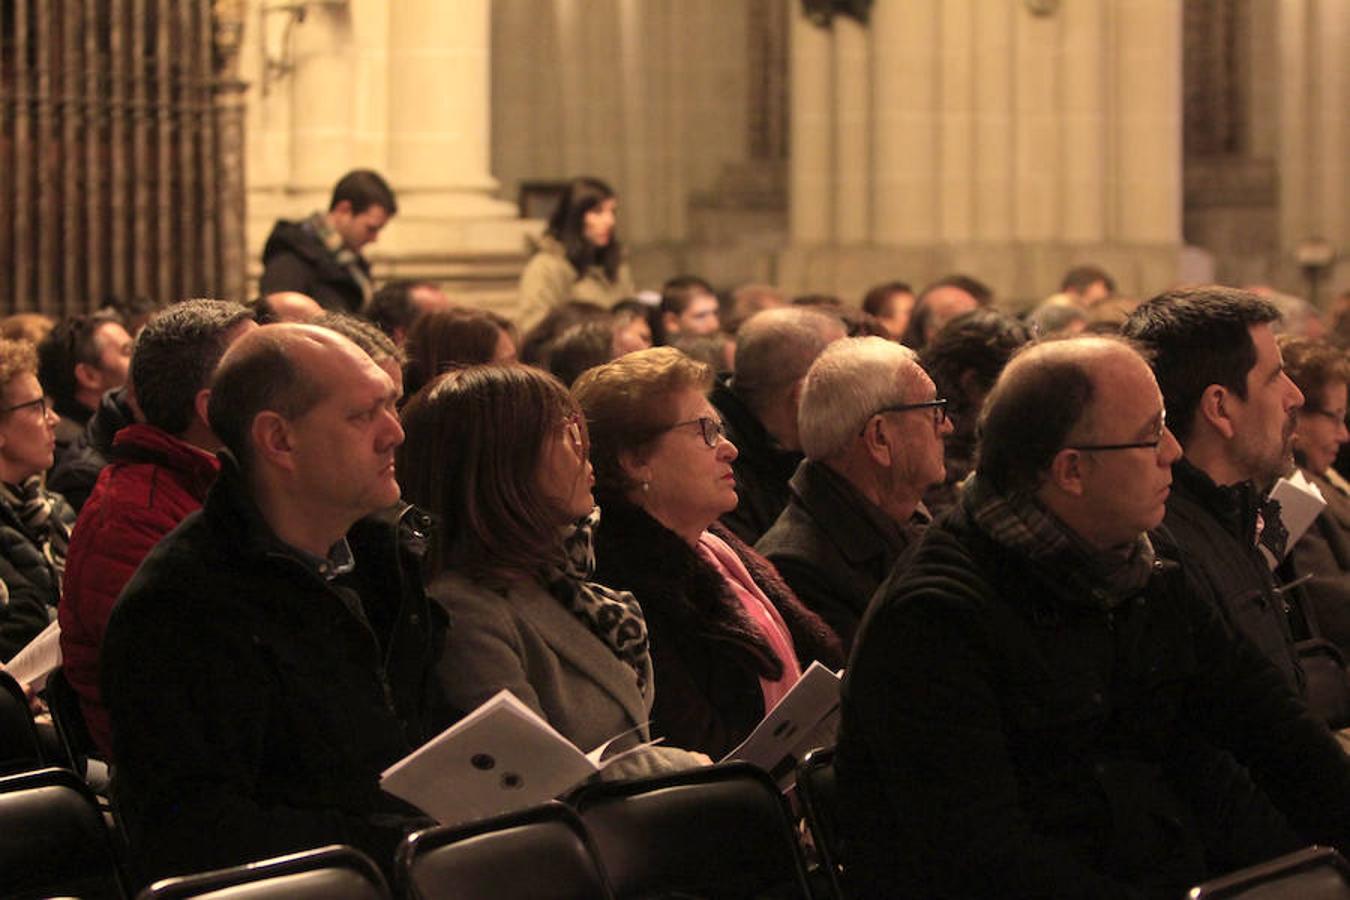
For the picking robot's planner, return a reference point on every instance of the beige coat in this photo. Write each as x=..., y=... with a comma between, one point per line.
x=549, y=281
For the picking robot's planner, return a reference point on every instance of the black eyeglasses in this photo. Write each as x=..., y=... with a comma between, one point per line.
x=40, y=402
x=711, y=429
x=939, y=408
x=1135, y=445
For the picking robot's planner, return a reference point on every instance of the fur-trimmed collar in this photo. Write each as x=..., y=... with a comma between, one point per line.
x=679, y=588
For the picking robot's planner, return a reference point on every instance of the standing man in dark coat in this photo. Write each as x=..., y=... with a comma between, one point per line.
x=873, y=428
x=1038, y=705
x=321, y=256
x=1233, y=409
x=758, y=404
x=276, y=652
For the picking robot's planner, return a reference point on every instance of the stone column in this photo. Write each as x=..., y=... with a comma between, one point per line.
x=1082, y=131
x=956, y=128
x=322, y=85
x=810, y=219
x=1147, y=150
x=992, y=38
x=438, y=139
x=852, y=188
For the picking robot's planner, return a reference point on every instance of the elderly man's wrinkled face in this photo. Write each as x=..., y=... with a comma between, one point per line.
x=919, y=436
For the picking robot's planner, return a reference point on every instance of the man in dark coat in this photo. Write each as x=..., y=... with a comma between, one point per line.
x=320, y=256
x=276, y=651
x=79, y=360
x=1233, y=408
x=758, y=404
x=873, y=431
x=1038, y=705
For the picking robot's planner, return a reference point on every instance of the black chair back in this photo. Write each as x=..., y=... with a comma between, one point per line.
x=720, y=831
x=68, y=718
x=819, y=795
x=53, y=839
x=19, y=747
x=539, y=852
x=335, y=872
x=1313, y=873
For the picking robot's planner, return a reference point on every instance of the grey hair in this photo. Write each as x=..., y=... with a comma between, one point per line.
x=846, y=385
x=774, y=349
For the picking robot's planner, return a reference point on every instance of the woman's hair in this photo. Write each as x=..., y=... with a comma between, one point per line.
x=627, y=406
x=1312, y=365
x=474, y=440
x=534, y=346
x=16, y=358
x=568, y=226
x=446, y=338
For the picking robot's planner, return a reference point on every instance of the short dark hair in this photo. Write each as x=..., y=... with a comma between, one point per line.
x=1198, y=337
x=877, y=301
x=446, y=338
x=392, y=307
x=983, y=293
x=1030, y=413
x=568, y=226
x=71, y=342
x=474, y=440
x=981, y=342
x=263, y=377
x=1080, y=278
x=535, y=344
x=379, y=346
x=583, y=346
x=175, y=355
x=364, y=188
x=678, y=292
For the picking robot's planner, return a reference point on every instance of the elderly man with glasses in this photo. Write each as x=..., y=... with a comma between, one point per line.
x=1039, y=705
x=872, y=428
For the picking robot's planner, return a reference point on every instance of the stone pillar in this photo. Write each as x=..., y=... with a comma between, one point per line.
x=992, y=177
x=956, y=126
x=1147, y=151
x=322, y=85
x=1082, y=124
x=905, y=136
x=852, y=194
x=438, y=139
x=810, y=219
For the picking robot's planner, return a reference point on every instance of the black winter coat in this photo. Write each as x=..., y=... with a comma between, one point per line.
x=707, y=655
x=762, y=468
x=30, y=583
x=252, y=707
x=77, y=472
x=1004, y=736
x=295, y=259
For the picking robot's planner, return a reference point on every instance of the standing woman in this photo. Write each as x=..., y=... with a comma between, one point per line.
x=579, y=256
x=728, y=636
x=34, y=522
x=497, y=456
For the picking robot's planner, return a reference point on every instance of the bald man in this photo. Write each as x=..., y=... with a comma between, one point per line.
x=275, y=653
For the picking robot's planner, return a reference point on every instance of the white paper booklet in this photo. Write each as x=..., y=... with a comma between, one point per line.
x=1301, y=502
x=38, y=658
x=501, y=757
x=806, y=718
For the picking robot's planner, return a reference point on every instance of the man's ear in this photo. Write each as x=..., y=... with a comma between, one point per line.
x=878, y=443
x=88, y=377
x=1216, y=408
x=670, y=323
x=271, y=437
x=1066, y=471
x=200, y=404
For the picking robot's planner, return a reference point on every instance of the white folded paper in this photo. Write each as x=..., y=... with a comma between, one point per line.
x=1301, y=502
x=807, y=717
x=38, y=658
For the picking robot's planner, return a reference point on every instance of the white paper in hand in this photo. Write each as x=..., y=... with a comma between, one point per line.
x=501, y=757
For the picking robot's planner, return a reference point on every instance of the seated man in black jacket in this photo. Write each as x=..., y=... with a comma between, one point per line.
x=275, y=653
x=873, y=429
x=1040, y=706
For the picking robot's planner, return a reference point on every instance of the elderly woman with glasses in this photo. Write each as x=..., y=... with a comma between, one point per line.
x=1322, y=372
x=728, y=636
x=34, y=522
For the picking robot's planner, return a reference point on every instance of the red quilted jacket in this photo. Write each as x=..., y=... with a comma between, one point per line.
x=152, y=483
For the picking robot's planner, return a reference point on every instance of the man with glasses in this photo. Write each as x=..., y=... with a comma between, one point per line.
x=1039, y=705
x=872, y=428
x=1233, y=409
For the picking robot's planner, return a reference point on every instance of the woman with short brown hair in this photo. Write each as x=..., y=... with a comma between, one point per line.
x=729, y=638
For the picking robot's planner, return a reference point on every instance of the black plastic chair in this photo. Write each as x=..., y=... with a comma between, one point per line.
x=1313, y=873
x=335, y=872
x=20, y=750
x=540, y=852
x=819, y=795
x=53, y=839
x=64, y=703
x=719, y=831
